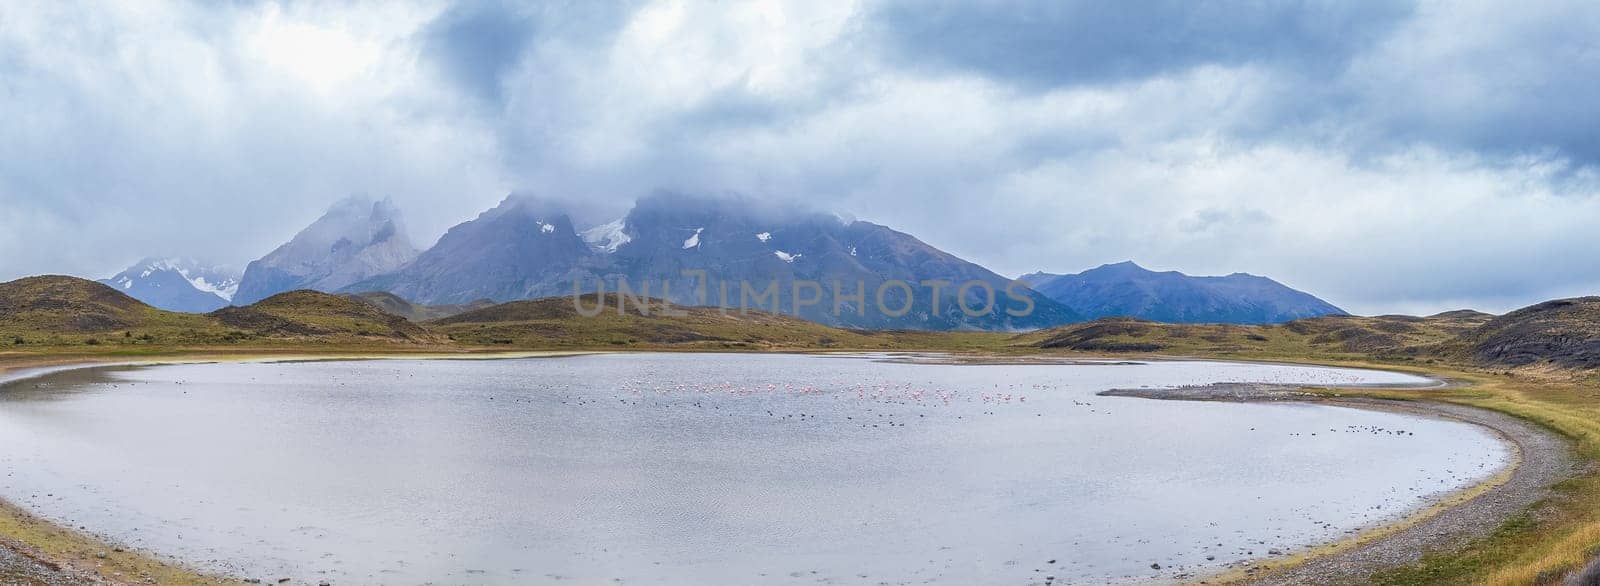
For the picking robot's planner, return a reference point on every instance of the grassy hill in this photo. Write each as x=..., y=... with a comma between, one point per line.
x=313, y=314
x=1563, y=333
x=70, y=305
x=54, y=310
x=416, y=312
x=555, y=322
x=1391, y=337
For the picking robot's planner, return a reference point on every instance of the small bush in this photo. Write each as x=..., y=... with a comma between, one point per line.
x=18, y=341
x=92, y=342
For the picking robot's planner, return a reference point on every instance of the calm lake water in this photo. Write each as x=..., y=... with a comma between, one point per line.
x=713, y=468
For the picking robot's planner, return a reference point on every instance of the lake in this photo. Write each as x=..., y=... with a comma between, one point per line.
x=715, y=468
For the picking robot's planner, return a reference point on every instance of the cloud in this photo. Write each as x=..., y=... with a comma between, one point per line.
x=1387, y=156
x=475, y=44
x=168, y=130
x=1045, y=45
x=1485, y=78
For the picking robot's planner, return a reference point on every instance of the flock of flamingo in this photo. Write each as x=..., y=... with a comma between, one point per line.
x=904, y=394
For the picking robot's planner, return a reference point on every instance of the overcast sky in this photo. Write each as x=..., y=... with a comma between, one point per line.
x=1388, y=157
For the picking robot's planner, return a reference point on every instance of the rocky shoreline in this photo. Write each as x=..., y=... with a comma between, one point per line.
x=1543, y=459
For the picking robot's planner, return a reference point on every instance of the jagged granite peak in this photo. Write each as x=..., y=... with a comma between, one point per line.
x=1126, y=289
x=177, y=284
x=525, y=247
x=356, y=239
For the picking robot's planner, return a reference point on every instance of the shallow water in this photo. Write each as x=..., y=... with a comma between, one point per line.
x=714, y=468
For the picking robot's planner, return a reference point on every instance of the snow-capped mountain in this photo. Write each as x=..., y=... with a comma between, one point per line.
x=356, y=239
x=739, y=241
x=527, y=248
x=177, y=284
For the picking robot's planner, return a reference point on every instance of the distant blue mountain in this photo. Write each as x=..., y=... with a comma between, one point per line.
x=177, y=284
x=1128, y=290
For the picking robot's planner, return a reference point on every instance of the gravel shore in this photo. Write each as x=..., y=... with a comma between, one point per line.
x=20, y=570
x=1543, y=459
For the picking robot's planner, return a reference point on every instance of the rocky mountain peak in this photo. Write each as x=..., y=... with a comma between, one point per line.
x=355, y=239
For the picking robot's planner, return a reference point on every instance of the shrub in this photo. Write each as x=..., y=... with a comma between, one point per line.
x=92, y=341
x=18, y=341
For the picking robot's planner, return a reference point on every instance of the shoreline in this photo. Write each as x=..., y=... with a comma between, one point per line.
x=1541, y=458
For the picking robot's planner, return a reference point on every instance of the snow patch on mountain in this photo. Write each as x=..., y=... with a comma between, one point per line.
x=607, y=237
x=224, y=288
x=786, y=257
x=764, y=236
x=693, y=241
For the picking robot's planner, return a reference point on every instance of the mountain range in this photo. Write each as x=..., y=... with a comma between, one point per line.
x=715, y=251
x=1126, y=289
x=696, y=250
